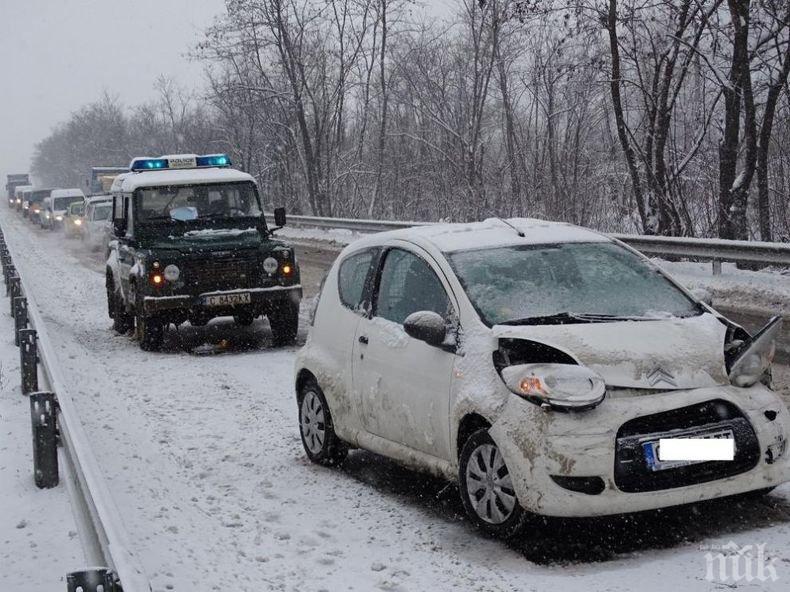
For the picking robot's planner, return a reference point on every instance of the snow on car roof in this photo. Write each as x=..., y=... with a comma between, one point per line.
x=128, y=182
x=74, y=192
x=492, y=232
x=95, y=199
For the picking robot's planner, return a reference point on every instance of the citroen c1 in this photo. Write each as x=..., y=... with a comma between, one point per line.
x=541, y=366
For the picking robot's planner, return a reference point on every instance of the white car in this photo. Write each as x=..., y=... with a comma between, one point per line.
x=56, y=206
x=97, y=225
x=539, y=365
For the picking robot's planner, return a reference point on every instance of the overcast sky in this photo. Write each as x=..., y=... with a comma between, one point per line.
x=61, y=54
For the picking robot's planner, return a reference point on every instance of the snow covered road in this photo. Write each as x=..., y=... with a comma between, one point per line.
x=203, y=457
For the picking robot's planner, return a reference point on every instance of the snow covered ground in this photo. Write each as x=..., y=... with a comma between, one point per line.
x=38, y=539
x=203, y=457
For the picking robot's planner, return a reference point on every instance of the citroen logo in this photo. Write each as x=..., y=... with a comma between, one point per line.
x=661, y=375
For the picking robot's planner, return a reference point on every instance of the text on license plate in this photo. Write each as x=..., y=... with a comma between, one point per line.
x=652, y=450
x=227, y=299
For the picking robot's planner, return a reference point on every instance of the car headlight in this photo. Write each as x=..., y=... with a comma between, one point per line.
x=756, y=355
x=564, y=386
x=77, y=222
x=172, y=273
x=59, y=218
x=270, y=265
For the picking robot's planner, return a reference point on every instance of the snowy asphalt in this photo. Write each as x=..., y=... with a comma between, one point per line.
x=203, y=457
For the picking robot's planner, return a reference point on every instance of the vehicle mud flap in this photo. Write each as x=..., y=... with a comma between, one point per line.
x=43, y=415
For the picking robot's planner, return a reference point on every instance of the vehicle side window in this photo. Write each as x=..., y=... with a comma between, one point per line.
x=407, y=285
x=351, y=278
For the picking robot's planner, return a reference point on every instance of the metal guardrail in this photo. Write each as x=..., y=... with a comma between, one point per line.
x=716, y=250
x=103, y=536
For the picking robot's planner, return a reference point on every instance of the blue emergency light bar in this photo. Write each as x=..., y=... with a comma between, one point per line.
x=180, y=162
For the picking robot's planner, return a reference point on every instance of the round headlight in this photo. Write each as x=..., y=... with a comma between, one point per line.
x=559, y=385
x=270, y=265
x=172, y=273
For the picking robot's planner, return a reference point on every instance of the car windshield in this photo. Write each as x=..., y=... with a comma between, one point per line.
x=197, y=202
x=102, y=212
x=62, y=203
x=570, y=282
x=77, y=209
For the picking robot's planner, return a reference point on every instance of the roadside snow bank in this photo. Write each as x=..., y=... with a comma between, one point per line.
x=750, y=291
x=38, y=538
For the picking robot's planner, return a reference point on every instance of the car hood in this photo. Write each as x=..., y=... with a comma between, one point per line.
x=676, y=353
x=213, y=240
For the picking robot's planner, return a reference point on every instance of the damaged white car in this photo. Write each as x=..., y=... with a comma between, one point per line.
x=541, y=366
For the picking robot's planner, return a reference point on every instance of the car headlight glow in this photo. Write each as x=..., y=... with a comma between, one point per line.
x=59, y=218
x=564, y=386
x=77, y=222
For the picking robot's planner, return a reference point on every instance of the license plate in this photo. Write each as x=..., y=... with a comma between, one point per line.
x=651, y=450
x=227, y=299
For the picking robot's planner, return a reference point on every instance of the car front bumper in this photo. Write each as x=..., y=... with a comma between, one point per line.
x=538, y=444
x=260, y=298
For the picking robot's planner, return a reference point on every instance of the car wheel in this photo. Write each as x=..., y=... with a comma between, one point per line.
x=149, y=331
x=486, y=488
x=244, y=319
x=284, y=320
x=316, y=428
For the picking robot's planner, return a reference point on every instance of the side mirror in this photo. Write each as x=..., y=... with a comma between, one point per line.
x=279, y=217
x=426, y=326
x=119, y=227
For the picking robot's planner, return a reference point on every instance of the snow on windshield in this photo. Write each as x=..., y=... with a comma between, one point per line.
x=194, y=202
x=516, y=282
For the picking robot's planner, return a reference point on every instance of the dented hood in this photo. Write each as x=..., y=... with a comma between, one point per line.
x=677, y=353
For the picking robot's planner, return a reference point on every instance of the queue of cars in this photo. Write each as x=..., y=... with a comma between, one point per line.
x=544, y=368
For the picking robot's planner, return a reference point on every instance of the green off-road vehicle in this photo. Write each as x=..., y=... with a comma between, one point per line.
x=190, y=243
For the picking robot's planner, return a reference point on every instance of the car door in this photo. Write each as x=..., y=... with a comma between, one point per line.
x=403, y=384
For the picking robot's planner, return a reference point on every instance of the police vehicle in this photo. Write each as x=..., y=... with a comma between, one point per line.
x=191, y=244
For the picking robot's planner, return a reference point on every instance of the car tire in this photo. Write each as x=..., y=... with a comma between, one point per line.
x=486, y=490
x=149, y=332
x=244, y=319
x=284, y=320
x=320, y=442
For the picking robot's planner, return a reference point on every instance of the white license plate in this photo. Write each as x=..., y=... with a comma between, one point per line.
x=227, y=299
x=651, y=451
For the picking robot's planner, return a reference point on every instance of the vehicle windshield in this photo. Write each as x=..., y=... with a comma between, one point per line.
x=221, y=201
x=102, y=212
x=566, y=281
x=77, y=209
x=62, y=203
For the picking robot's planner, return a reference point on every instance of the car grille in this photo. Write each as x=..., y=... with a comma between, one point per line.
x=630, y=468
x=221, y=273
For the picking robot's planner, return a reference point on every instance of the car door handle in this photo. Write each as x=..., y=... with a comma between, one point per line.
x=363, y=339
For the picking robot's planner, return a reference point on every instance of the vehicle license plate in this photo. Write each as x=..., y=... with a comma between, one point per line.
x=651, y=450
x=227, y=299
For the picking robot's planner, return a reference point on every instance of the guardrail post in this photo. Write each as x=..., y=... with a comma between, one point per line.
x=28, y=360
x=45, y=439
x=717, y=267
x=14, y=289
x=7, y=273
x=20, y=317
x=92, y=580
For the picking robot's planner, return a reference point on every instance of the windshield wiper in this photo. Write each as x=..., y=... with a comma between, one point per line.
x=566, y=317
